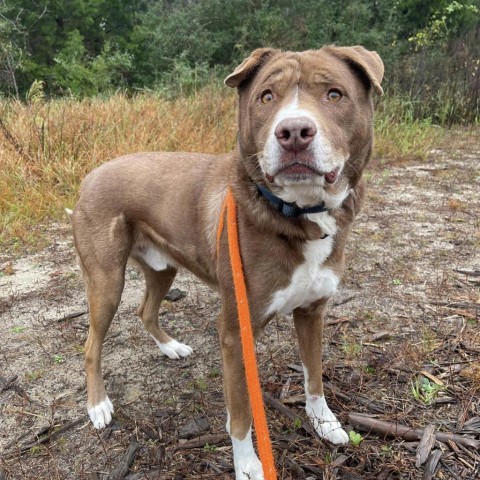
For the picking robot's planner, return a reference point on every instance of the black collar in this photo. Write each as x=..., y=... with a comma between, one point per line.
x=288, y=209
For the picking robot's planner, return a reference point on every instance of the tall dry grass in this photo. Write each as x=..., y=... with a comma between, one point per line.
x=47, y=147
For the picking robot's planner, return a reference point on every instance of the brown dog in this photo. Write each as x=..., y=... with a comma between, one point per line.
x=305, y=135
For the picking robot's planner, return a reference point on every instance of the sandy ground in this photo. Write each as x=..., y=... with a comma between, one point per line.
x=409, y=303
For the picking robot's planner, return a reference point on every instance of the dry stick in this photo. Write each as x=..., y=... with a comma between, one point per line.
x=431, y=465
x=338, y=320
x=293, y=466
x=425, y=446
x=71, y=316
x=6, y=383
x=344, y=301
x=52, y=435
x=212, y=466
x=450, y=471
x=455, y=304
x=366, y=402
x=470, y=273
x=374, y=406
x=122, y=468
x=402, y=431
x=288, y=412
x=203, y=440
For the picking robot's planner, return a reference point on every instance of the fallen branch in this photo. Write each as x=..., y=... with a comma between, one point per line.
x=338, y=320
x=369, y=424
x=356, y=398
x=344, y=301
x=45, y=438
x=475, y=306
x=431, y=466
x=200, y=442
x=70, y=316
x=212, y=466
x=470, y=273
x=288, y=412
x=425, y=446
x=293, y=466
x=370, y=404
x=9, y=383
x=6, y=383
x=122, y=468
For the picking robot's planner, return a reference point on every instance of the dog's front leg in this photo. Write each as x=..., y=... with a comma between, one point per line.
x=239, y=417
x=309, y=327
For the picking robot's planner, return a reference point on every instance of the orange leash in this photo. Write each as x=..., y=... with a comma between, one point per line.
x=246, y=334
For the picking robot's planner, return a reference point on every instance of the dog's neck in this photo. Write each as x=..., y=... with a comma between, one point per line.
x=288, y=209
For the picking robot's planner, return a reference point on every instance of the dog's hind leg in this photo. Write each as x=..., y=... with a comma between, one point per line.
x=103, y=298
x=157, y=284
x=103, y=253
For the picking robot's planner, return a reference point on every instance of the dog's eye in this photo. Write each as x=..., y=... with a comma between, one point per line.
x=334, y=95
x=267, y=96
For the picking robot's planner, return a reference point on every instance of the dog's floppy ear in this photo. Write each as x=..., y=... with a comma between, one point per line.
x=367, y=61
x=249, y=66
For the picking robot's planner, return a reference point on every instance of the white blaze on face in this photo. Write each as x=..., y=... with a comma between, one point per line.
x=323, y=156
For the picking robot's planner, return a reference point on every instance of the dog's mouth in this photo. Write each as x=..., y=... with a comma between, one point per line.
x=301, y=171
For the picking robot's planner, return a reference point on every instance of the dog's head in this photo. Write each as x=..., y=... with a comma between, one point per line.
x=305, y=120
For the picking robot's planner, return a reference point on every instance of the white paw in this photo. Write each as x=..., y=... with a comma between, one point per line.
x=174, y=349
x=249, y=469
x=101, y=414
x=324, y=421
x=247, y=465
x=333, y=432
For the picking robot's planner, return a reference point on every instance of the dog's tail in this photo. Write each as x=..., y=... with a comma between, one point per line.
x=69, y=212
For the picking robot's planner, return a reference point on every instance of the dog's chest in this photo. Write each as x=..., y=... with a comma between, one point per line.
x=311, y=280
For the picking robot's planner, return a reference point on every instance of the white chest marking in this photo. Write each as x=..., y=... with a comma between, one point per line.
x=310, y=280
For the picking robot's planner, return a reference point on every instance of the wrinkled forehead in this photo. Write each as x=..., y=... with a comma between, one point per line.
x=305, y=68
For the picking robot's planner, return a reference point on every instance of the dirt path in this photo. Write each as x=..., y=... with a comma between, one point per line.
x=410, y=302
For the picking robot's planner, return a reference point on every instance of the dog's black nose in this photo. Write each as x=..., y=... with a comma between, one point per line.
x=295, y=134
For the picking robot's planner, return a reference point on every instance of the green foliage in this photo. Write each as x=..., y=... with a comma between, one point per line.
x=445, y=23
x=431, y=48
x=58, y=358
x=386, y=451
x=209, y=448
x=424, y=391
x=355, y=438
x=81, y=76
